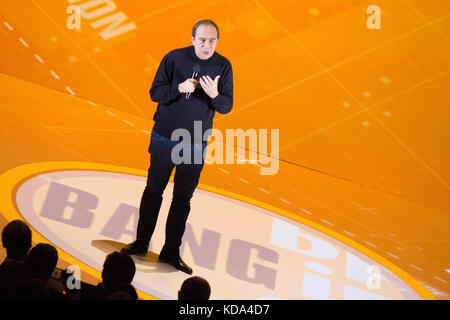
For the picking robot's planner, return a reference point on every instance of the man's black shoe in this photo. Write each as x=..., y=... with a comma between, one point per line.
x=135, y=248
x=177, y=263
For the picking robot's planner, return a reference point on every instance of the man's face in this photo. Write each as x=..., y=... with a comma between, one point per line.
x=205, y=41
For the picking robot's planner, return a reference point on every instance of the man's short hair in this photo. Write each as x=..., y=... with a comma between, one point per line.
x=41, y=261
x=118, y=267
x=205, y=22
x=194, y=288
x=16, y=238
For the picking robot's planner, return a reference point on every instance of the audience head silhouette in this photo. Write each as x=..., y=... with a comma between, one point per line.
x=124, y=287
x=41, y=261
x=16, y=238
x=194, y=288
x=32, y=280
x=118, y=267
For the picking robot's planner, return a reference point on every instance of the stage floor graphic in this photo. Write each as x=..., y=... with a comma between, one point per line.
x=245, y=248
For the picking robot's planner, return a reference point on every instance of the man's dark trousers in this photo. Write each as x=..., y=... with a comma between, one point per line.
x=185, y=181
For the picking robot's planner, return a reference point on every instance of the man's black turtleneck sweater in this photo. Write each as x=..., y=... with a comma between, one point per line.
x=174, y=110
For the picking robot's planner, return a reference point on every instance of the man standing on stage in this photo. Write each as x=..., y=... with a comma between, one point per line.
x=191, y=84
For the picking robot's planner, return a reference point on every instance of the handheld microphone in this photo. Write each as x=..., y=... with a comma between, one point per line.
x=194, y=74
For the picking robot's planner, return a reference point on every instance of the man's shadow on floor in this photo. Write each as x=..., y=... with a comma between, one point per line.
x=148, y=260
